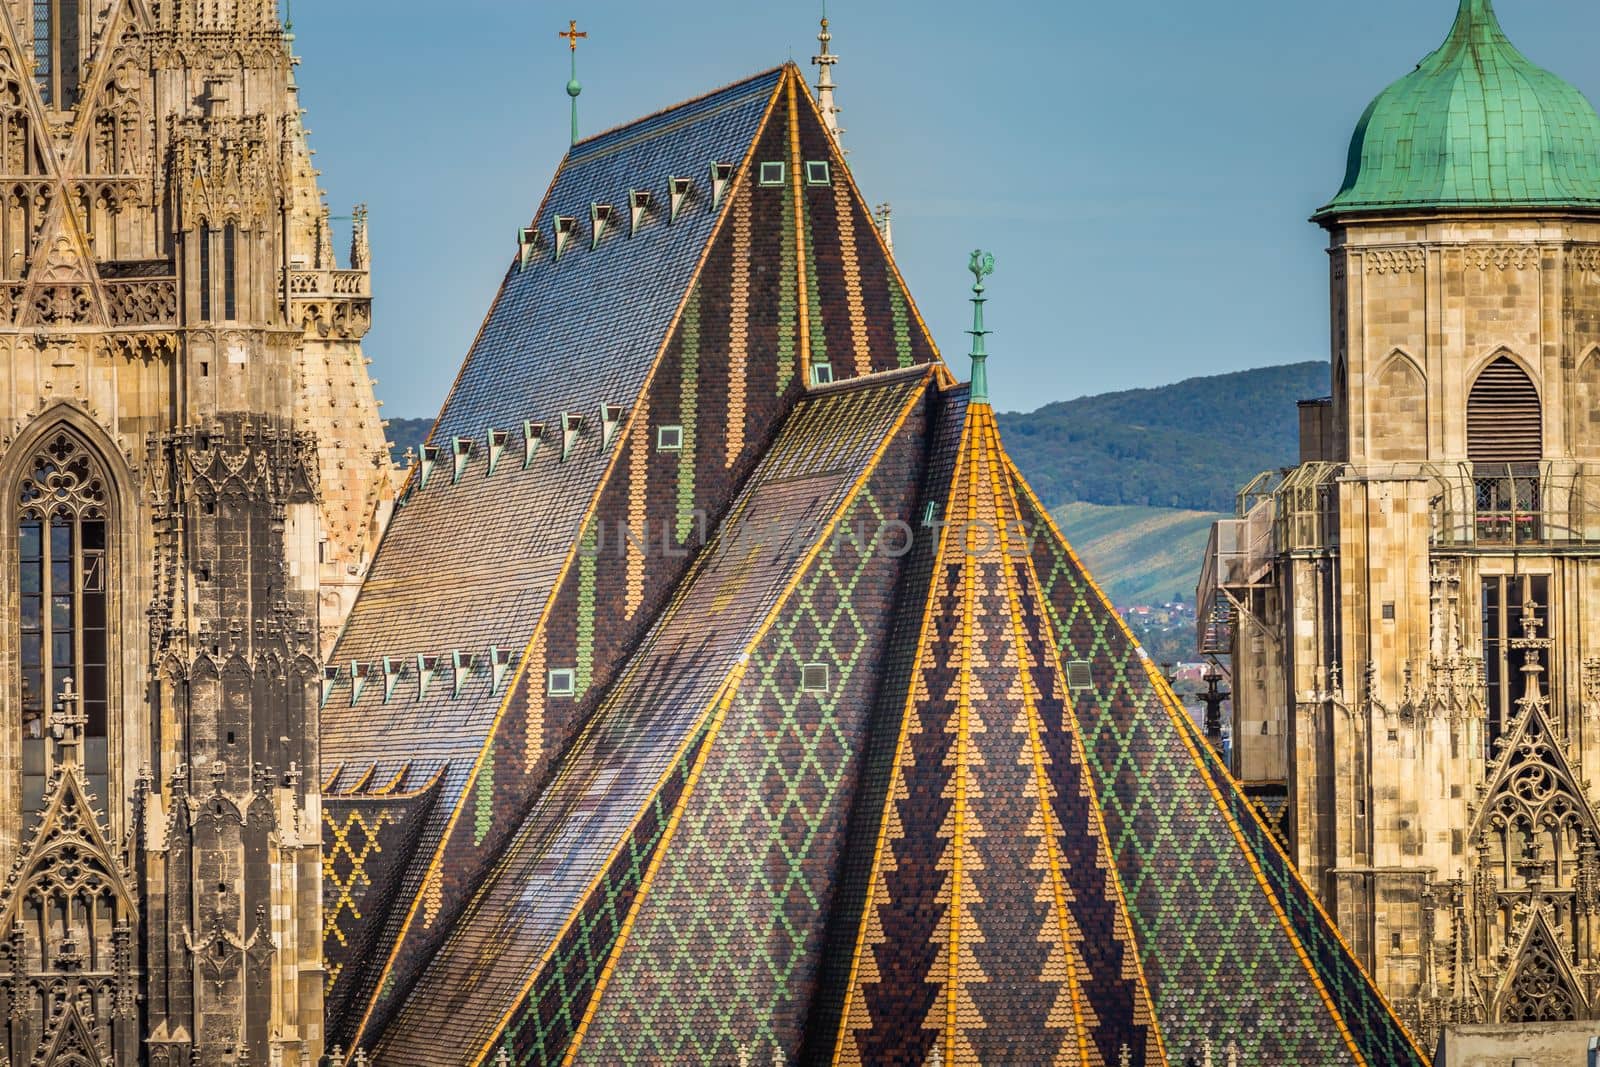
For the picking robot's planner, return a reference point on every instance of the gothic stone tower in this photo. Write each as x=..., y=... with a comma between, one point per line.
x=191, y=455
x=1417, y=625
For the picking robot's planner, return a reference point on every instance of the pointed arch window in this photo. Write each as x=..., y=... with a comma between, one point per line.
x=1505, y=442
x=63, y=585
x=57, y=52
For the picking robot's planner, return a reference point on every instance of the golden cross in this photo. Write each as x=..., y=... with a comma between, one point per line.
x=572, y=36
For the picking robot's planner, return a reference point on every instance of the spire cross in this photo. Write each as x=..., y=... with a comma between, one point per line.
x=572, y=35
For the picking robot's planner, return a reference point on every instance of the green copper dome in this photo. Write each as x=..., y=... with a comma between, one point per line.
x=1476, y=125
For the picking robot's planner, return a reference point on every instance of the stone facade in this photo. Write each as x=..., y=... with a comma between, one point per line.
x=1416, y=640
x=197, y=477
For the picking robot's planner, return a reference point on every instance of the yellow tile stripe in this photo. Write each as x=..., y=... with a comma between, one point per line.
x=793, y=79
x=843, y=207
x=958, y=844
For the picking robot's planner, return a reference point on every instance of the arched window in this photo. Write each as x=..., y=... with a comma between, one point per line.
x=62, y=537
x=57, y=31
x=1505, y=442
x=1503, y=416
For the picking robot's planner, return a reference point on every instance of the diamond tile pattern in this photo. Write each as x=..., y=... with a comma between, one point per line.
x=1233, y=950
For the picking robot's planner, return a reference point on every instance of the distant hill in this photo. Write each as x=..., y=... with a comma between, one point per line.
x=1139, y=555
x=1192, y=445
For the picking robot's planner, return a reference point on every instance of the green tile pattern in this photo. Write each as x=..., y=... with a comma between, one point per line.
x=902, y=321
x=589, y=549
x=761, y=834
x=483, y=797
x=789, y=300
x=1475, y=125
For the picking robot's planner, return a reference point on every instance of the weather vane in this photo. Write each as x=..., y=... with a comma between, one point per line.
x=572, y=36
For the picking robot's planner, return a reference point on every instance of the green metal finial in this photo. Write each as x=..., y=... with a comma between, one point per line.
x=572, y=37
x=981, y=266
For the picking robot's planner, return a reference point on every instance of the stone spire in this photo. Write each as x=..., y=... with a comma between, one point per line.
x=981, y=266
x=824, y=62
x=572, y=36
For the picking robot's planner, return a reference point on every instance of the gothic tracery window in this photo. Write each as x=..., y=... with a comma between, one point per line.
x=62, y=535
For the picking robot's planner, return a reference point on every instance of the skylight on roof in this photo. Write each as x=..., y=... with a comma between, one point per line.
x=430, y=458
x=817, y=172
x=497, y=446
x=772, y=173
x=571, y=427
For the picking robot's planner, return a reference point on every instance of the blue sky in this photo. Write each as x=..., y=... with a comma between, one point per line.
x=1142, y=172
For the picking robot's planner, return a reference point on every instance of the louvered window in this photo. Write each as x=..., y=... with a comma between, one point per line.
x=1503, y=421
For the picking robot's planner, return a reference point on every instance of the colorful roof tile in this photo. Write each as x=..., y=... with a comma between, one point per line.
x=700, y=710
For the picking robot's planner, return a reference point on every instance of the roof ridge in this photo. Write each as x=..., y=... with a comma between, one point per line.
x=609, y=131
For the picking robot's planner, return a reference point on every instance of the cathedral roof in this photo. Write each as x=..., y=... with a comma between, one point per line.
x=1476, y=125
x=868, y=771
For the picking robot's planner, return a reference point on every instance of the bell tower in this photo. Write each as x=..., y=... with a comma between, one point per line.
x=1415, y=658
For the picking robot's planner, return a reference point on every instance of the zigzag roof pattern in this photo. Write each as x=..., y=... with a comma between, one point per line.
x=801, y=798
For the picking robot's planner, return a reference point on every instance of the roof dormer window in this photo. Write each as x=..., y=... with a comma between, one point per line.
x=566, y=227
x=721, y=177
x=679, y=188
x=638, y=209
x=532, y=438
x=772, y=173
x=599, y=219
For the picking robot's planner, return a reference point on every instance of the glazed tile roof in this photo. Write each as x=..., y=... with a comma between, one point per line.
x=796, y=796
x=665, y=710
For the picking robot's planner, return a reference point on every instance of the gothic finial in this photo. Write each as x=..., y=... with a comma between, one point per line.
x=981, y=266
x=572, y=36
x=885, y=219
x=824, y=61
x=66, y=725
x=360, y=245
